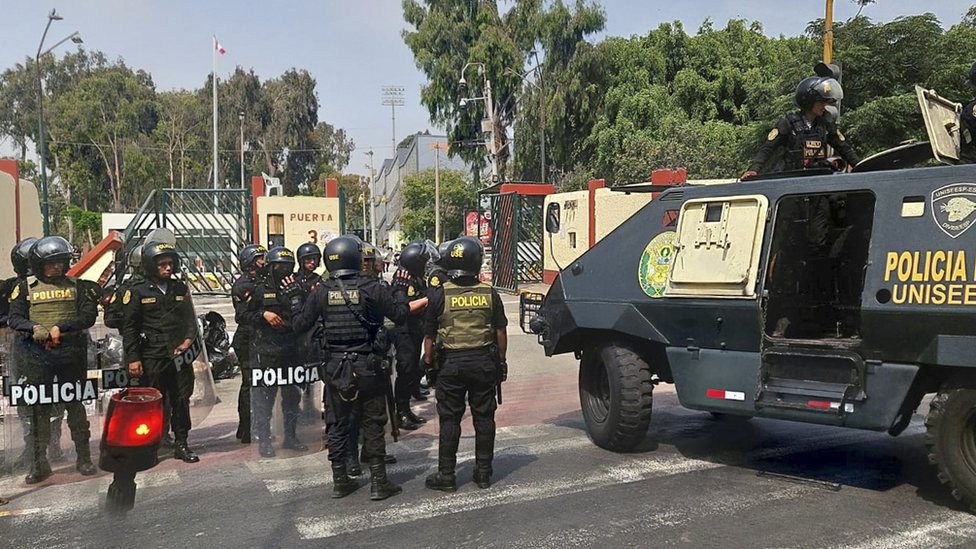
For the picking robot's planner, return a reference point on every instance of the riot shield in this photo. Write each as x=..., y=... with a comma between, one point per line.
x=50, y=411
x=286, y=401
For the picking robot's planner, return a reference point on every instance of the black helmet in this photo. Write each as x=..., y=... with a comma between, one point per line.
x=464, y=257
x=817, y=88
x=20, y=256
x=280, y=255
x=309, y=250
x=442, y=252
x=249, y=254
x=48, y=250
x=152, y=252
x=343, y=256
x=414, y=258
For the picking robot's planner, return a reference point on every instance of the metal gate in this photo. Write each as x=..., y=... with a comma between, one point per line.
x=210, y=227
x=516, y=239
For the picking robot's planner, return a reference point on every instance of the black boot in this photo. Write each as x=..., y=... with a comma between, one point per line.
x=265, y=448
x=183, y=452
x=292, y=443
x=353, y=468
x=442, y=482
x=414, y=417
x=405, y=423
x=342, y=485
x=380, y=487
x=482, y=478
x=84, y=463
x=40, y=469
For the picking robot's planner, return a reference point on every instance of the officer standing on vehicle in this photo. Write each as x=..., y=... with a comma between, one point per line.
x=275, y=345
x=408, y=338
x=967, y=144
x=251, y=258
x=465, y=326
x=54, y=312
x=159, y=326
x=803, y=136
x=357, y=376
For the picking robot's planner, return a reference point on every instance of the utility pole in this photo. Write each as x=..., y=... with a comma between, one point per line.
x=393, y=96
x=542, y=116
x=829, y=32
x=240, y=115
x=437, y=189
x=372, y=213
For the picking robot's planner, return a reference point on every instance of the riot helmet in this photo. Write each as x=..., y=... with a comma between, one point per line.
x=464, y=257
x=153, y=253
x=309, y=250
x=281, y=260
x=343, y=257
x=414, y=258
x=817, y=88
x=20, y=257
x=249, y=255
x=442, y=252
x=49, y=249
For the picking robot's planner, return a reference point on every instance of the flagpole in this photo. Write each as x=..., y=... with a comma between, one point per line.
x=214, y=53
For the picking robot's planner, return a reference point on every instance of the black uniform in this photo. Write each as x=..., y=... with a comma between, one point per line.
x=351, y=344
x=272, y=348
x=313, y=341
x=157, y=319
x=468, y=370
x=804, y=144
x=967, y=145
x=244, y=287
x=408, y=340
x=77, y=306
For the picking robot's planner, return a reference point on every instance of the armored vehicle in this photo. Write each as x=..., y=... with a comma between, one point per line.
x=837, y=299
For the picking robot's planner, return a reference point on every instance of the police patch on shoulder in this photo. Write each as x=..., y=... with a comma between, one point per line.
x=127, y=297
x=16, y=293
x=435, y=281
x=411, y=292
x=773, y=134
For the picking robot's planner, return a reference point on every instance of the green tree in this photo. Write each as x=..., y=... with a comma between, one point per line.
x=457, y=197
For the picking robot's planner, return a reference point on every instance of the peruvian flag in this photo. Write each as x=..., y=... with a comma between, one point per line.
x=220, y=49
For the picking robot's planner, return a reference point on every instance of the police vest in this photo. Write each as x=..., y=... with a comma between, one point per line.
x=466, y=320
x=52, y=303
x=343, y=330
x=808, y=146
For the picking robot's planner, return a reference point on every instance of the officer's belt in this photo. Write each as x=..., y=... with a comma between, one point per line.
x=156, y=338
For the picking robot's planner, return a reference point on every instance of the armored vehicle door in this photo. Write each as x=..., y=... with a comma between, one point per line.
x=717, y=247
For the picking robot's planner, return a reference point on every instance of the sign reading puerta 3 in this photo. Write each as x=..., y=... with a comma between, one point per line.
x=954, y=208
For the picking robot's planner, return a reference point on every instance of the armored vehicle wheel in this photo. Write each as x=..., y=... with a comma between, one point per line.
x=951, y=440
x=615, y=394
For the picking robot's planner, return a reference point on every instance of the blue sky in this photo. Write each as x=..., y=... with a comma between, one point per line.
x=352, y=48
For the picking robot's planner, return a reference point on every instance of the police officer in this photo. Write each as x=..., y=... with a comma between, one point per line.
x=409, y=337
x=20, y=260
x=804, y=136
x=251, y=259
x=967, y=145
x=352, y=308
x=310, y=259
x=274, y=346
x=54, y=311
x=159, y=326
x=465, y=322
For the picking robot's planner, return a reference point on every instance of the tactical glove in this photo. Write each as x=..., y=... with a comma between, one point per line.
x=401, y=279
x=292, y=293
x=41, y=334
x=431, y=372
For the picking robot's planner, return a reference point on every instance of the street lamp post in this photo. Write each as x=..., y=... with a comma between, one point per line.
x=41, y=143
x=542, y=116
x=372, y=204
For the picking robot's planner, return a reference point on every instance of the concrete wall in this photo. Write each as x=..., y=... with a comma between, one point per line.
x=614, y=207
x=574, y=229
x=306, y=219
x=20, y=212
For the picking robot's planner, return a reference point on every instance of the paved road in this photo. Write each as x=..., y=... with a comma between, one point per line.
x=695, y=482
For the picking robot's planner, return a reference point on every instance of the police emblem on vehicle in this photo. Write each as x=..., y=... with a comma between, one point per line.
x=954, y=208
